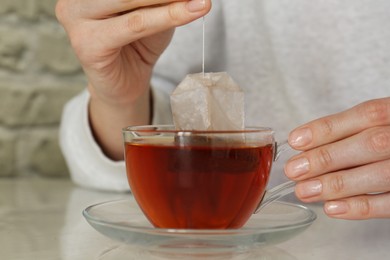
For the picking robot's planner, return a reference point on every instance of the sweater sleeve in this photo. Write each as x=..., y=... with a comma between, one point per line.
x=88, y=165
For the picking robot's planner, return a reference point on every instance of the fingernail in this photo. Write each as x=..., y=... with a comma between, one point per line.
x=336, y=207
x=297, y=167
x=196, y=5
x=300, y=137
x=308, y=189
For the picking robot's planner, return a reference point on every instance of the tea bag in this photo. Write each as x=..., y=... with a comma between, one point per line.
x=208, y=101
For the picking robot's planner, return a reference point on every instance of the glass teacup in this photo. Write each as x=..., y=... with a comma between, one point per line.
x=199, y=179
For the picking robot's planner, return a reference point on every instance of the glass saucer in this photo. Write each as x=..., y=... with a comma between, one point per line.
x=124, y=221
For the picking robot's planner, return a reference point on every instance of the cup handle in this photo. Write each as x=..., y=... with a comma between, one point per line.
x=276, y=193
x=280, y=190
x=280, y=148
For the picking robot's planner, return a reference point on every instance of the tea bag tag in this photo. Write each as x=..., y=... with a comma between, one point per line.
x=212, y=101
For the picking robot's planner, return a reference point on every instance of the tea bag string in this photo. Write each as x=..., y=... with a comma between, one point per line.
x=203, y=47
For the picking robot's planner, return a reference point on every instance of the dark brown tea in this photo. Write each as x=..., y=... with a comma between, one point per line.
x=197, y=187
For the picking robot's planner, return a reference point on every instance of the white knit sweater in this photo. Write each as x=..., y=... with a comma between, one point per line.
x=296, y=60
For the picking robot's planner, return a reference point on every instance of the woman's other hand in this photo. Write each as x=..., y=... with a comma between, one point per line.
x=345, y=161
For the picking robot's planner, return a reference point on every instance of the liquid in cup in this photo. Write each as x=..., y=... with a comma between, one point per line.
x=213, y=181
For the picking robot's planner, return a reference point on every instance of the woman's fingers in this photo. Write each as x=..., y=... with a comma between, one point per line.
x=370, y=178
x=360, y=207
x=114, y=7
x=369, y=146
x=345, y=161
x=336, y=127
x=121, y=30
x=104, y=8
x=357, y=193
x=118, y=31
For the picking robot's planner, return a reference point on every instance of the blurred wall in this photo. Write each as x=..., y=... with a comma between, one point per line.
x=38, y=74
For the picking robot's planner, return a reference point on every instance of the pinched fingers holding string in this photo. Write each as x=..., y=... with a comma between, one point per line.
x=119, y=41
x=345, y=161
x=115, y=23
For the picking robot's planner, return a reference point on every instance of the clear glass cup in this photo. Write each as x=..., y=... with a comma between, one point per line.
x=200, y=179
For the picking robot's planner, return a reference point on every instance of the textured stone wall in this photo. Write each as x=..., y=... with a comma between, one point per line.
x=38, y=74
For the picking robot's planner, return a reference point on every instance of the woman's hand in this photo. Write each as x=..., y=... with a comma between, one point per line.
x=345, y=161
x=118, y=42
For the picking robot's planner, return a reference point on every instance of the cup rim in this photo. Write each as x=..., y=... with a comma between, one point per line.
x=171, y=129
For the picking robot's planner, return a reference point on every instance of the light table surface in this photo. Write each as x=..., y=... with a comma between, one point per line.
x=42, y=219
